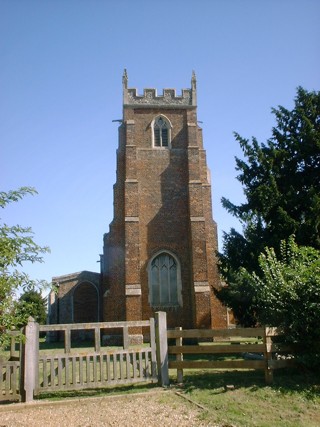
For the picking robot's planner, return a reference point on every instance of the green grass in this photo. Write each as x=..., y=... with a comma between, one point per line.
x=76, y=347
x=292, y=401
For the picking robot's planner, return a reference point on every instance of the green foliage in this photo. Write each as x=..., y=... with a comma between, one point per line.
x=289, y=294
x=16, y=247
x=31, y=303
x=282, y=188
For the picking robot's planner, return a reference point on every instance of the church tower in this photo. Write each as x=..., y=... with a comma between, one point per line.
x=160, y=251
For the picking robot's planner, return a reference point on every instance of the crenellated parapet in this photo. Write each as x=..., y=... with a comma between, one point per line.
x=150, y=98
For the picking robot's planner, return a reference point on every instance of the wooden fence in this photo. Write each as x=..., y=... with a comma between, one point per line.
x=95, y=370
x=97, y=329
x=9, y=380
x=10, y=372
x=248, y=348
x=75, y=368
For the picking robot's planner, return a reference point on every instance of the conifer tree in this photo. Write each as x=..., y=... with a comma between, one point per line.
x=281, y=184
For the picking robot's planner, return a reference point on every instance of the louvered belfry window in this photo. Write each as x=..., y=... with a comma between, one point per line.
x=161, y=132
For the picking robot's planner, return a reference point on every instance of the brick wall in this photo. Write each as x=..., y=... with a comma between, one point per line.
x=162, y=202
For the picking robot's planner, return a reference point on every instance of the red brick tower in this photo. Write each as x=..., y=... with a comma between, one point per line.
x=160, y=251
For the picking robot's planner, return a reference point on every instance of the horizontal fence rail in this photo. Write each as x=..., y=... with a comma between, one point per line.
x=256, y=354
x=97, y=327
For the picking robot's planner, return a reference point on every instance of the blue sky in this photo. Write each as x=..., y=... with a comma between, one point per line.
x=60, y=88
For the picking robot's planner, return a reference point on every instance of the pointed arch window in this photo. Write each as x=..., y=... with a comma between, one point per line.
x=164, y=281
x=161, y=132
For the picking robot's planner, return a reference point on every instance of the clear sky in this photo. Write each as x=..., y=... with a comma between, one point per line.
x=60, y=88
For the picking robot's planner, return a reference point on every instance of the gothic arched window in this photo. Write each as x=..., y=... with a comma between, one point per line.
x=164, y=281
x=161, y=132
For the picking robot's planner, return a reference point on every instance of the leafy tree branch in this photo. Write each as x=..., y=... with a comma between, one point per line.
x=17, y=246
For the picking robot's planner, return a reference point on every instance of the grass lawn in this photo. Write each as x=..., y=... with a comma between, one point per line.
x=293, y=400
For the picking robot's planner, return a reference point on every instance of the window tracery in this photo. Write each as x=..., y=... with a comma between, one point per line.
x=161, y=132
x=164, y=281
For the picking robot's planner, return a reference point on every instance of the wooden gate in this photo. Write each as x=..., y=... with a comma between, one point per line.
x=10, y=372
x=9, y=380
x=94, y=370
x=71, y=368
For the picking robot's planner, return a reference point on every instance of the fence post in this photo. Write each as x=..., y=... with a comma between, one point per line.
x=67, y=340
x=153, y=348
x=125, y=330
x=30, y=361
x=97, y=346
x=162, y=347
x=12, y=346
x=179, y=356
x=268, y=371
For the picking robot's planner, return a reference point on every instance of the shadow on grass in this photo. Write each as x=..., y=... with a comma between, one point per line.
x=285, y=381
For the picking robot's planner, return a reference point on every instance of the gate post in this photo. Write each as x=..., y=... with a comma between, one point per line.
x=179, y=357
x=30, y=361
x=267, y=341
x=162, y=347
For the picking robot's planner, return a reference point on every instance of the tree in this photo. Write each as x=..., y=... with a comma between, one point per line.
x=16, y=247
x=281, y=184
x=289, y=294
x=31, y=303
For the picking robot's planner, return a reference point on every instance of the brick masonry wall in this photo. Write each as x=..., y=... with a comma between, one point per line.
x=162, y=202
